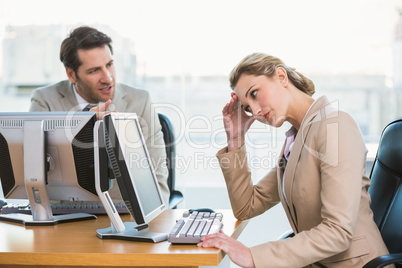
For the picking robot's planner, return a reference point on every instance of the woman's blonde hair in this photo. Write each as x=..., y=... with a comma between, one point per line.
x=263, y=64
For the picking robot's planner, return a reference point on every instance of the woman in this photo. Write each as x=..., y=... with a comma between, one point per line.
x=319, y=178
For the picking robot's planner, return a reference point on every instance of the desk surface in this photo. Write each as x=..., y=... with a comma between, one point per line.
x=76, y=244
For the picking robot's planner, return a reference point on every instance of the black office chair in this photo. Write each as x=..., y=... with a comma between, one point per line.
x=386, y=194
x=168, y=136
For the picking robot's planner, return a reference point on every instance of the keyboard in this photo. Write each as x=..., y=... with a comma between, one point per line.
x=191, y=227
x=65, y=208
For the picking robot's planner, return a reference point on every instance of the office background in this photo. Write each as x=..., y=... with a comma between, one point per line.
x=182, y=52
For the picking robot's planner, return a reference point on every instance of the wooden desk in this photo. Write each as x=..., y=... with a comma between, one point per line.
x=76, y=244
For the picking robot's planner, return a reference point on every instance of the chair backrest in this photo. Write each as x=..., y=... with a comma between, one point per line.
x=386, y=186
x=168, y=136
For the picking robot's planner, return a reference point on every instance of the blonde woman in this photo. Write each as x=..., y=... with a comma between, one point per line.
x=319, y=178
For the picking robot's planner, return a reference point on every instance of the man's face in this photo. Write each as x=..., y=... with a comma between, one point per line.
x=95, y=77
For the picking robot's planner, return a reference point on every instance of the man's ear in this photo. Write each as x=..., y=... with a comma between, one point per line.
x=282, y=76
x=71, y=75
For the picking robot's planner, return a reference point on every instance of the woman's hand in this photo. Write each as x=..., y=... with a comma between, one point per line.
x=236, y=123
x=101, y=109
x=237, y=252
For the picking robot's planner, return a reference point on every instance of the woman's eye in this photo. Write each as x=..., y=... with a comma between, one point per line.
x=248, y=111
x=254, y=94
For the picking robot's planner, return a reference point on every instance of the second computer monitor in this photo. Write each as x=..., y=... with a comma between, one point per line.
x=132, y=167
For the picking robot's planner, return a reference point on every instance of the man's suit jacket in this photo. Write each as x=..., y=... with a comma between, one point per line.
x=61, y=97
x=327, y=203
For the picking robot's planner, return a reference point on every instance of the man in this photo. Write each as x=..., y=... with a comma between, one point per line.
x=87, y=57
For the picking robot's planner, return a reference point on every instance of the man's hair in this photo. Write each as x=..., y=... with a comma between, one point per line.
x=83, y=37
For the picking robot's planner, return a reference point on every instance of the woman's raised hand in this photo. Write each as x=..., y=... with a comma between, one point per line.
x=236, y=123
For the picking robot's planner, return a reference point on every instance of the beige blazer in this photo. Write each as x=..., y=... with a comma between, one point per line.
x=61, y=97
x=327, y=203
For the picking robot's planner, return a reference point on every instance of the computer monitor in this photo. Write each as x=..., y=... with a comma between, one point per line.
x=47, y=156
x=121, y=136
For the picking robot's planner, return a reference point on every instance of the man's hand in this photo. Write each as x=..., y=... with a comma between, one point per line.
x=101, y=109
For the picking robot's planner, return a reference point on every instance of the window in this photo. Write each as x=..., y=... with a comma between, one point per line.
x=182, y=52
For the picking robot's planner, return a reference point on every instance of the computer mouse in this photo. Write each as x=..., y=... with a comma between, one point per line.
x=2, y=203
x=202, y=210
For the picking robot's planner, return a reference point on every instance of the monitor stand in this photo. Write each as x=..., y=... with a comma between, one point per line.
x=35, y=182
x=131, y=233
x=118, y=229
x=29, y=220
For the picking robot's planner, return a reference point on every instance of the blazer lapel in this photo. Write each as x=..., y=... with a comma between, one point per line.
x=68, y=100
x=119, y=102
x=282, y=163
x=313, y=115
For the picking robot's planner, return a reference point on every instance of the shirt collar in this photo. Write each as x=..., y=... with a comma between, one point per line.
x=81, y=101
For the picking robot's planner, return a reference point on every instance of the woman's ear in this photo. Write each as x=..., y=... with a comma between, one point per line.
x=282, y=76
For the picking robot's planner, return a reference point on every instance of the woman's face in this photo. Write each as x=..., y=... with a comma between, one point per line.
x=265, y=98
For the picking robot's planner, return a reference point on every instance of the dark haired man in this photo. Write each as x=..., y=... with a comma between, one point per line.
x=87, y=57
